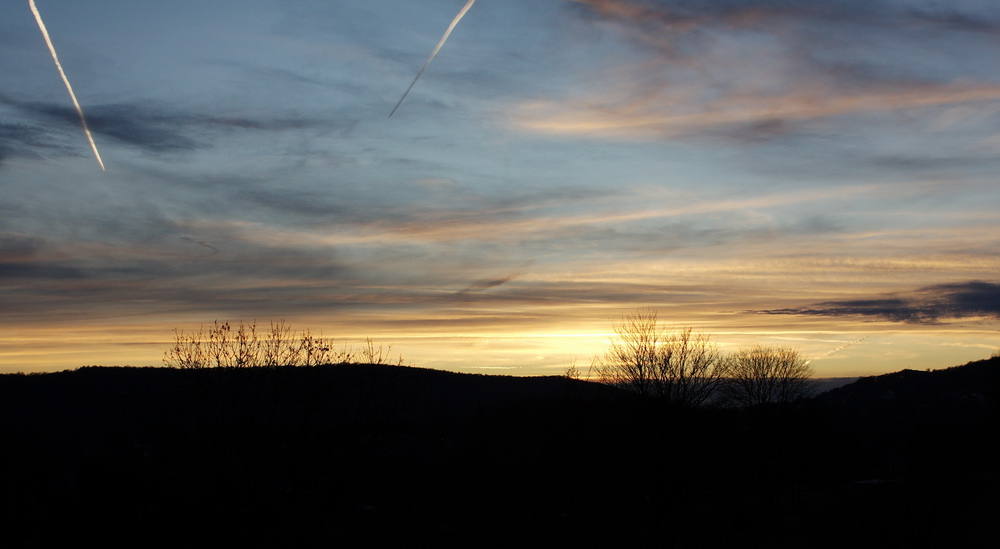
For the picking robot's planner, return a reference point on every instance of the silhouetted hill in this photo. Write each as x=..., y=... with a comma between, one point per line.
x=377, y=455
x=973, y=385
x=122, y=396
x=936, y=425
x=337, y=447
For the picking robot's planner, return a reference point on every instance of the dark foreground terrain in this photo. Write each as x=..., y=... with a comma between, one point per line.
x=373, y=456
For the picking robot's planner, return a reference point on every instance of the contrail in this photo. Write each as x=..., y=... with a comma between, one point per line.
x=838, y=349
x=52, y=49
x=434, y=53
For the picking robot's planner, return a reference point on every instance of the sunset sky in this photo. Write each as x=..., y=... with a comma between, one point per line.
x=789, y=172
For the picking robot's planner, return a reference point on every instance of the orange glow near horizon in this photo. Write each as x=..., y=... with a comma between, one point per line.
x=519, y=350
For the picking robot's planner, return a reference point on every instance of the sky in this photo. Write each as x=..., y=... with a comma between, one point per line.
x=807, y=173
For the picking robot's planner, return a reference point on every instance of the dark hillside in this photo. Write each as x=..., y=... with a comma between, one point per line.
x=936, y=426
x=377, y=455
x=334, y=446
x=975, y=385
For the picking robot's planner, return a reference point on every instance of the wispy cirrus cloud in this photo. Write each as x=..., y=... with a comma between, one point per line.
x=656, y=115
x=520, y=220
x=155, y=128
x=24, y=140
x=746, y=70
x=687, y=15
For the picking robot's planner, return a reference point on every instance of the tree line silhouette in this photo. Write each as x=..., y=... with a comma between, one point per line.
x=245, y=345
x=684, y=368
x=680, y=367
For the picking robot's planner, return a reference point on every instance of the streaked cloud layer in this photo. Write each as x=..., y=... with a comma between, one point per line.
x=808, y=173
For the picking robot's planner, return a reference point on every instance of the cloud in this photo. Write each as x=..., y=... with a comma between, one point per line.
x=750, y=71
x=486, y=284
x=747, y=117
x=150, y=127
x=686, y=15
x=28, y=257
x=201, y=243
x=535, y=217
x=926, y=305
x=15, y=246
x=172, y=273
x=23, y=140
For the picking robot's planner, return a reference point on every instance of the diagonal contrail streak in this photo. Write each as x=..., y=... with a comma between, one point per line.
x=79, y=110
x=434, y=53
x=838, y=349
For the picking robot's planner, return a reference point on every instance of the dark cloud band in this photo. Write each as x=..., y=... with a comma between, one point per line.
x=926, y=305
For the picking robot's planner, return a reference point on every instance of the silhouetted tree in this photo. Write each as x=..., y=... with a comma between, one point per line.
x=370, y=354
x=222, y=345
x=679, y=366
x=761, y=374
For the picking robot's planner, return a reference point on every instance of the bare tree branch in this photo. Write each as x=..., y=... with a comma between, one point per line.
x=680, y=366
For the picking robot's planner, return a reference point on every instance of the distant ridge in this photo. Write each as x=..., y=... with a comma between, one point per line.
x=976, y=384
x=824, y=384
